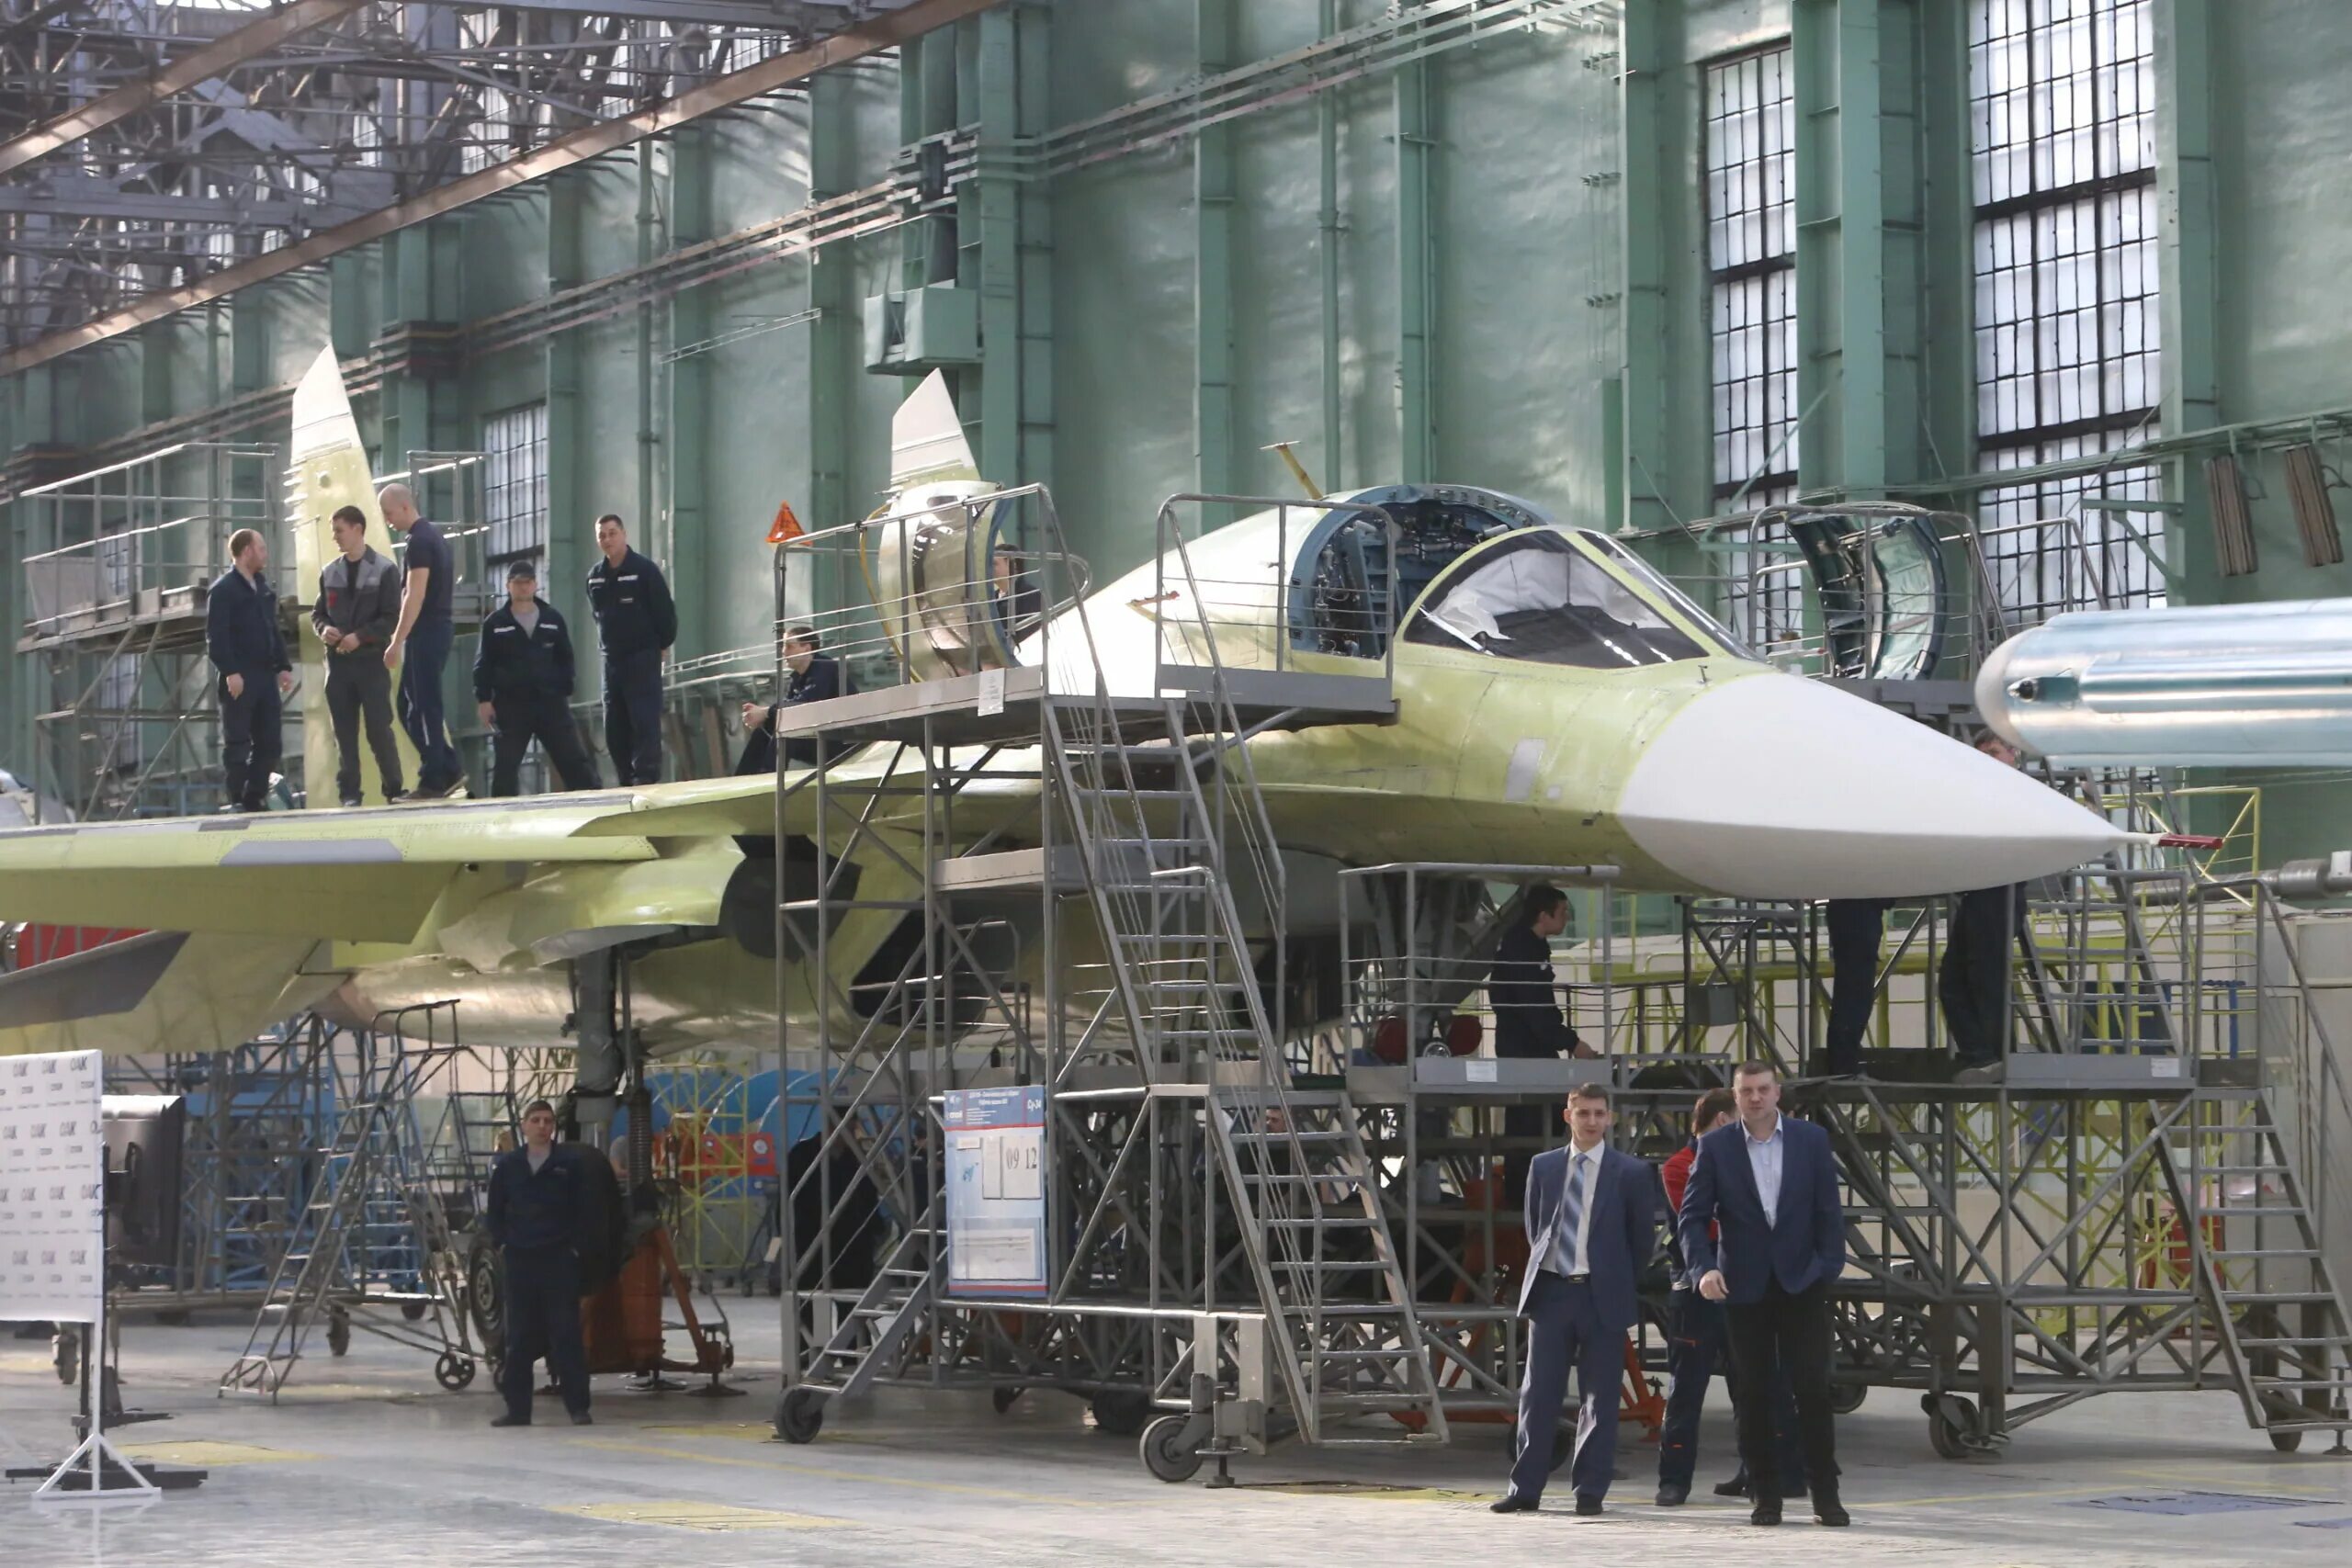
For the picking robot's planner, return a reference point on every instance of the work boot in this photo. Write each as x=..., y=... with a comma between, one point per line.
x=1671, y=1495
x=581, y=1418
x=1827, y=1510
x=1767, y=1512
x=510, y=1420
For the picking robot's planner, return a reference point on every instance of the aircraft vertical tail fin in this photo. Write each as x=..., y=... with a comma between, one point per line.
x=328, y=470
x=927, y=440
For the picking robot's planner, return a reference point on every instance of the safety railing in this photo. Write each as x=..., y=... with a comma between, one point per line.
x=1417, y=994
x=963, y=586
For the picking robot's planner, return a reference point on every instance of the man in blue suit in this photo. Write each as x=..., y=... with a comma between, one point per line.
x=1768, y=1186
x=1591, y=1226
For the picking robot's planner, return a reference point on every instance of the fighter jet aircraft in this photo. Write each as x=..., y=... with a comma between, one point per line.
x=1555, y=701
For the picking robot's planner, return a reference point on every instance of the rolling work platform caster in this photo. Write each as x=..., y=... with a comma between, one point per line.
x=800, y=1415
x=1956, y=1431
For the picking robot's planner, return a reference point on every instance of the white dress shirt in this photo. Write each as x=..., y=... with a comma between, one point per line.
x=1569, y=1253
x=1764, y=1164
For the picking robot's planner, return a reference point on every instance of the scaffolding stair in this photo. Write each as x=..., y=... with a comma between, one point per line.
x=2279, y=1314
x=367, y=1233
x=868, y=1337
x=1153, y=821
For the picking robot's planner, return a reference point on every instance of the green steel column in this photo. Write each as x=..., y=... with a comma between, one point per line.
x=995, y=270
x=405, y=406
x=1841, y=246
x=1639, y=411
x=571, y=529
x=1217, y=471
x=1903, y=200
x=2188, y=268
x=698, y=542
x=155, y=370
x=1947, y=366
x=649, y=434
x=1331, y=468
x=830, y=369
x=1416, y=288
x=1033, y=61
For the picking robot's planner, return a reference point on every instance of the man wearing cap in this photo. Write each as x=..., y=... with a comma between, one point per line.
x=523, y=678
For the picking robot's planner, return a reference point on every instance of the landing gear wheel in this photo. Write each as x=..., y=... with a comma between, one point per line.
x=1953, y=1429
x=1844, y=1398
x=2285, y=1442
x=485, y=1301
x=1162, y=1457
x=452, y=1371
x=1005, y=1399
x=65, y=1355
x=801, y=1415
x=414, y=1311
x=339, y=1332
x=1121, y=1415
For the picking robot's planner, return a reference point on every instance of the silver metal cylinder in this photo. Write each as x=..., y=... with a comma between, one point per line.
x=2222, y=685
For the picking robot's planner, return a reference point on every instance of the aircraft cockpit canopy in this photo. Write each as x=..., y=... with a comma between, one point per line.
x=1490, y=575
x=1538, y=598
x=1357, y=590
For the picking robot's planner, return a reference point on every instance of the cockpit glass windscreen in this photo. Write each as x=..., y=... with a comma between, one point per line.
x=1538, y=598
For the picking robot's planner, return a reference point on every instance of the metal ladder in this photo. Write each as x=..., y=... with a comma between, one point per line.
x=868, y=1337
x=2277, y=1313
x=1345, y=1335
x=369, y=1234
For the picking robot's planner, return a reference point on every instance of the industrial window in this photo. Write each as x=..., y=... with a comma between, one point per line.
x=1751, y=253
x=515, y=482
x=2068, y=349
x=1750, y=129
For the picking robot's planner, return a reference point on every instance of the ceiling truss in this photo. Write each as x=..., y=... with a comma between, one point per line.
x=146, y=144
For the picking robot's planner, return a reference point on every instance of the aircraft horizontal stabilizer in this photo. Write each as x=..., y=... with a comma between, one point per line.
x=160, y=991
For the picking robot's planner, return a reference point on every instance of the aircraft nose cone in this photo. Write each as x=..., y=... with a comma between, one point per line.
x=1772, y=786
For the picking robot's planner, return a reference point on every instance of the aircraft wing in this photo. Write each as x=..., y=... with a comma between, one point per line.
x=370, y=875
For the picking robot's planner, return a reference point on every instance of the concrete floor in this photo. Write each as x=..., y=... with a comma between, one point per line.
x=365, y=1462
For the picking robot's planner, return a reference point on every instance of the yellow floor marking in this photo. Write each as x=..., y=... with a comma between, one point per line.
x=2248, y=1485
x=861, y=1475
x=737, y=1431
x=686, y=1515
x=207, y=1451
x=1863, y=1501
x=1371, y=1491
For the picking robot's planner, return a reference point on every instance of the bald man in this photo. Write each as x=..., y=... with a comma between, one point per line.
x=427, y=628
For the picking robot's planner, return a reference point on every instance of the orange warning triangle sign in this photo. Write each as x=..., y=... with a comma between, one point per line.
x=787, y=527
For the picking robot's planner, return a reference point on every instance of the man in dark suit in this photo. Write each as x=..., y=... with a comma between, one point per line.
x=1591, y=1226
x=1769, y=1186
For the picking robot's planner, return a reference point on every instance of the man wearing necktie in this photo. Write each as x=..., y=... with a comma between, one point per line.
x=1592, y=1215
x=1768, y=1186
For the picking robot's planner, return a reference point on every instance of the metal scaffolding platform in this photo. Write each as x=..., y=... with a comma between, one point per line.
x=115, y=566
x=1258, y=1226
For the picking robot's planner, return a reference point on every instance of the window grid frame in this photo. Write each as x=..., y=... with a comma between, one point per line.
x=514, y=484
x=2104, y=201
x=1748, y=198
